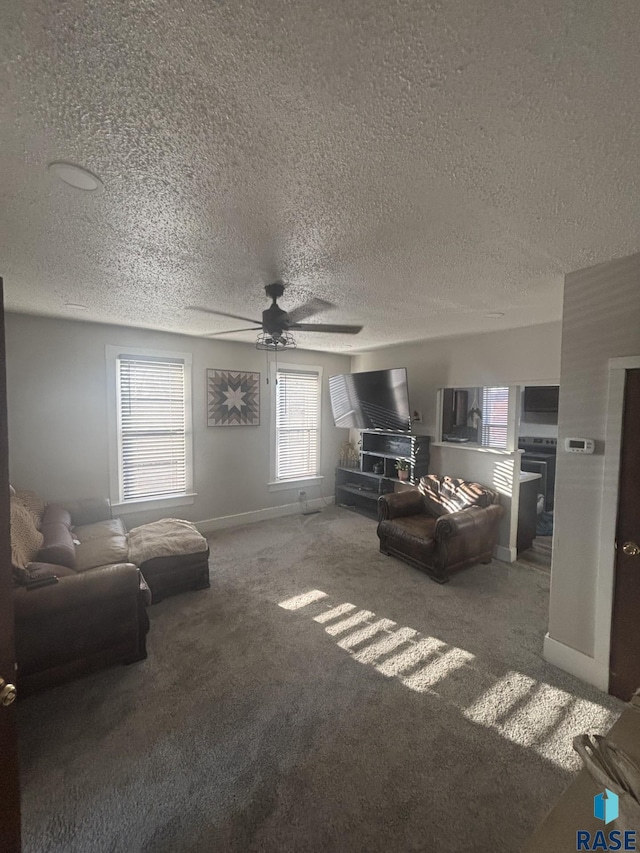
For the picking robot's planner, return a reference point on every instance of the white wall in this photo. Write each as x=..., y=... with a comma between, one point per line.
x=509, y=357
x=538, y=424
x=499, y=471
x=601, y=320
x=538, y=429
x=57, y=401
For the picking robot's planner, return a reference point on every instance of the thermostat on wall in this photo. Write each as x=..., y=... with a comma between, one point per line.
x=579, y=445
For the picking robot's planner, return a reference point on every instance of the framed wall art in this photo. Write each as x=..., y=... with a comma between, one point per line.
x=233, y=398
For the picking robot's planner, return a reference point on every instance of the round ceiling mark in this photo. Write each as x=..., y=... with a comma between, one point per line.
x=495, y=315
x=75, y=176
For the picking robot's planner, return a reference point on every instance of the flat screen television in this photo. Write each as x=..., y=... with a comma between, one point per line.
x=373, y=399
x=541, y=398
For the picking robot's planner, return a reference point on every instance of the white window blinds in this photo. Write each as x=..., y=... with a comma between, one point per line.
x=297, y=424
x=495, y=413
x=151, y=427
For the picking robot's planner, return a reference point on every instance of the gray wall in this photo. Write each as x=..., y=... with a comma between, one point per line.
x=601, y=320
x=509, y=357
x=57, y=405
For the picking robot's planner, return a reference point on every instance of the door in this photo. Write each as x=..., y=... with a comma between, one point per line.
x=625, y=628
x=9, y=786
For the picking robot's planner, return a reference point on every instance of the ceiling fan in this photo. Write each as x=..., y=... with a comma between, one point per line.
x=276, y=325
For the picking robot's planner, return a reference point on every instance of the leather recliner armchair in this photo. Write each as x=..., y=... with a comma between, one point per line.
x=442, y=525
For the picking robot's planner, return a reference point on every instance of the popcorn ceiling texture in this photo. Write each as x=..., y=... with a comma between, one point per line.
x=416, y=163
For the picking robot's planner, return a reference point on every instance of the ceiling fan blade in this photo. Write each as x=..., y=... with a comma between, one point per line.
x=233, y=331
x=325, y=327
x=308, y=309
x=224, y=314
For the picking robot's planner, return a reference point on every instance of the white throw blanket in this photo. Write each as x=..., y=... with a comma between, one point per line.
x=168, y=537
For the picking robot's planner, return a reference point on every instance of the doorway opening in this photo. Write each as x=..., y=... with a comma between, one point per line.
x=538, y=440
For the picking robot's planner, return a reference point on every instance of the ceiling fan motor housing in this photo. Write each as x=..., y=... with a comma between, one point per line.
x=275, y=320
x=274, y=291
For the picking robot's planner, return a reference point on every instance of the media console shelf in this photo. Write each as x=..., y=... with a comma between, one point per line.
x=361, y=487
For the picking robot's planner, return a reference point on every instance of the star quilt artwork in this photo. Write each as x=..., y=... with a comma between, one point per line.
x=233, y=398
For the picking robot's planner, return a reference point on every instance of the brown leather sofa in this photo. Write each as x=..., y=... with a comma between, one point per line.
x=442, y=525
x=95, y=615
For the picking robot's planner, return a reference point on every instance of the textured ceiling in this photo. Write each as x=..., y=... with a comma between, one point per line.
x=419, y=163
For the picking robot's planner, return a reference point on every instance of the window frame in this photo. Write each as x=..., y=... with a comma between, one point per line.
x=112, y=354
x=489, y=425
x=274, y=483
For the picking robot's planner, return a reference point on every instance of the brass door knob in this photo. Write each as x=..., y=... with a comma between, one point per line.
x=7, y=693
x=631, y=549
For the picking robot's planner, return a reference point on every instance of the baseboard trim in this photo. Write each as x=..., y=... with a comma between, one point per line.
x=506, y=555
x=577, y=663
x=210, y=525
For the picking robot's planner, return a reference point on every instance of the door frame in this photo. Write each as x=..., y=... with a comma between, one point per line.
x=9, y=759
x=605, y=578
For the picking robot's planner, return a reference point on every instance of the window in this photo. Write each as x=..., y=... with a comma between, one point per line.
x=151, y=441
x=296, y=422
x=495, y=412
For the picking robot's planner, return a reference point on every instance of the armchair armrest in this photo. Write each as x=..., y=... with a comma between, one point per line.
x=397, y=504
x=40, y=569
x=467, y=522
x=77, y=591
x=88, y=510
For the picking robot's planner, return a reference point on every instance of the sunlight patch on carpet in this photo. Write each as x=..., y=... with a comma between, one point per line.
x=357, y=619
x=300, y=601
x=416, y=652
x=370, y=654
x=330, y=615
x=364, y=634
x=437, y=670
x=532, y=714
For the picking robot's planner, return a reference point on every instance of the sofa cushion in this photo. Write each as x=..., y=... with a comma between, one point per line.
x=167, y=537
x=412, y=536
x=100, y=530
x=443, y=495
x=26, y=539
x=88, y=510
x=58, y=546
x=101, y=552
x=420, y=526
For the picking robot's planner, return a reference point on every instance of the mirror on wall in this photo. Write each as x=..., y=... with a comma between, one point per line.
x=476, y=416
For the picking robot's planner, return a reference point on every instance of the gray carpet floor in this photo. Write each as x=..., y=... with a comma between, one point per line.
x=539, y=555
x=319, y=697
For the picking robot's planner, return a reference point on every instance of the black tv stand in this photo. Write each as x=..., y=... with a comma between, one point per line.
x=359, y=488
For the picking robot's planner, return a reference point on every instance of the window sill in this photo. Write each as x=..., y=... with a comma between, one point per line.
x=154, y=503
x=282, y=485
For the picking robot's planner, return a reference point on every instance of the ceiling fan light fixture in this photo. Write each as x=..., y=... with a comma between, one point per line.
x=275, y=343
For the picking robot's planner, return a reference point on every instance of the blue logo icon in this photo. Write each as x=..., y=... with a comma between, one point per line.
x=605, y=806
